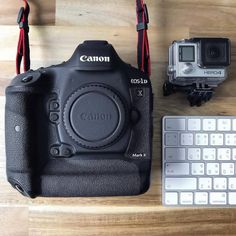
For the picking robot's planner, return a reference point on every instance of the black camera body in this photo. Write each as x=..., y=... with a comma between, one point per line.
x=81, y=128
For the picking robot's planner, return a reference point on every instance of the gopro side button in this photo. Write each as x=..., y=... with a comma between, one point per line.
x=188, y=68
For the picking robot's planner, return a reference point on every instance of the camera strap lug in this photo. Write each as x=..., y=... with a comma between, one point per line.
x=23, y=49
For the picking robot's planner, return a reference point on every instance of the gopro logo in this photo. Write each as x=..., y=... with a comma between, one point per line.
x=85, y=58
x=206, y=72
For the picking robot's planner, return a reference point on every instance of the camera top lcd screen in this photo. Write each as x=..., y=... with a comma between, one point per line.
x=186, y=54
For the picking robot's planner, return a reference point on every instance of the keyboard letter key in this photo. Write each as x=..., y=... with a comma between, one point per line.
x=209, y=124
x=194, y=154
x=224, y=125
x=216, y=139
x=186, y=139
x=171, y=139
x=205, y=183
x=227, y=168
x=213, y=168
x=232, y=183
x=230, y=139
x=194, y=124
x=220, y=183
x=209, y=154
x=223, y=154
x=201, y=139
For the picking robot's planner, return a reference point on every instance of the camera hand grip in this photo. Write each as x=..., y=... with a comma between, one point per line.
x=20, y=139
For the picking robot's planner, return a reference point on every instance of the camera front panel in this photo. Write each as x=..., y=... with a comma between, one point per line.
x=59, y=158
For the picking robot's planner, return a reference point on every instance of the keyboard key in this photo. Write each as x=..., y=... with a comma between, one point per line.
x=227, y=168
x=201, y=139
x=177, y=168
x=201, y=198
x=171, y=139
x=198, y=168
x=223, y=154
x=224, y=124
x=194, y=124
x=209, y=154
x=220, y=183
x=234, y=124
x=230, y=139
x=232, y=183
x=209, y=124
x=186, y=198
x=171, y=198
x=205, y=183
x=218, y=198
x=216, y=139
x=213, y=168
x=186, y=139
x=175, y=154
x=194, y=154
x=234, y=153
x=181, y=183
x=175, y=124
x=232, y=198
x=199, y=156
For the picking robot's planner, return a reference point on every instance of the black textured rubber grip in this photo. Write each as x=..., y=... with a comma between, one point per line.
x=20, y=137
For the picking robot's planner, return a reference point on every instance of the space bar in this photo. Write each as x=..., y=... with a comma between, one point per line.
x=181, y=183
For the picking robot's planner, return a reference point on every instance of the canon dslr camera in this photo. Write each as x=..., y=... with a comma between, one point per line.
x=196, y=66
x=81, y=128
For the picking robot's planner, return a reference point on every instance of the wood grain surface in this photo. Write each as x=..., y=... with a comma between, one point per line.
x=58, y=26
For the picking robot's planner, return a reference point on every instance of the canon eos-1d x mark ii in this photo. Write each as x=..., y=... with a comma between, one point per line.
x=81, y=128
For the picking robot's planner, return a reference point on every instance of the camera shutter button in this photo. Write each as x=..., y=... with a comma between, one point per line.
x=187, y=68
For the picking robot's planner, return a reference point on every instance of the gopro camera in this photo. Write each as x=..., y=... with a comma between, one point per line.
x=196, y=66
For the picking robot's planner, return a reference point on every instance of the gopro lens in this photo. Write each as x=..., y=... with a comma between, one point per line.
x=213, y=52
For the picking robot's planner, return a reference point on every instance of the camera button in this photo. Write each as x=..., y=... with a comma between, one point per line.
x=54, y=117
x=54, y=105
x=188, y=68
x=55, y=151
x=27, y=79
x=66, y=152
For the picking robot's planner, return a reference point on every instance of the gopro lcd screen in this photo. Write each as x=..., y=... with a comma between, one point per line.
x=186, y=54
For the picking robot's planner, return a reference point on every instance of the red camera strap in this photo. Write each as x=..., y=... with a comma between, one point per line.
x=23, y=49
x=144, y=62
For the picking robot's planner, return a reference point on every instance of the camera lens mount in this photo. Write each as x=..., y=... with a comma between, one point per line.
x=94, y=116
